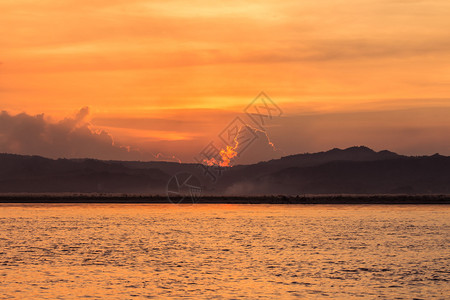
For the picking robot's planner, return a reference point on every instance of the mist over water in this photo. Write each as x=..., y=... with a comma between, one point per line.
x=224, y=251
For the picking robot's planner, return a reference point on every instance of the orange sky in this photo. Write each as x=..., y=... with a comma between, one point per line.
x=168, y=76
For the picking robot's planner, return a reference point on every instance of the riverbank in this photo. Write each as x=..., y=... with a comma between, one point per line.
x=309, y=199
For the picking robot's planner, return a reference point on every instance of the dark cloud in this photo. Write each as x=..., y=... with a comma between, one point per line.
x=71, y=137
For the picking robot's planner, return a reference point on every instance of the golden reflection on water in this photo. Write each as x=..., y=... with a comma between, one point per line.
x=223, y=251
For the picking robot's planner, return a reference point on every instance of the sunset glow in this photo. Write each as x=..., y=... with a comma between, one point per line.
x=168, y=76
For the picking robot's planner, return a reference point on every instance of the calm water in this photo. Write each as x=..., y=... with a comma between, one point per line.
x=224, y=252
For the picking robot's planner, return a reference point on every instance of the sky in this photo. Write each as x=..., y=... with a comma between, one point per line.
x=161, y=80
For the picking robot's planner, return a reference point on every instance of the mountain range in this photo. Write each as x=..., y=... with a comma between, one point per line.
x=355, y=170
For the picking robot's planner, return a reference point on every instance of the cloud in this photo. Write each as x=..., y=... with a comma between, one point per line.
x=261, y=148
x=70, y=137
x=247, y=145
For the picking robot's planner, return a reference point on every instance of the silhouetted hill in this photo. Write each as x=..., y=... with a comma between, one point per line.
x=356, y=170
x=37, y=174
x=308, y=160
x=424, y=175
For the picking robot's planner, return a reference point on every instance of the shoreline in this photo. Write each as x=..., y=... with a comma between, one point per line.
x=310, y=199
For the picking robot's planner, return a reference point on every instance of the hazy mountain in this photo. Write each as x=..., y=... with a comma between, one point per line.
x=356, y=170
x=403, y=175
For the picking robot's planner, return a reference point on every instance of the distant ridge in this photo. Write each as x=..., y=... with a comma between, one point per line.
x=355, y=170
